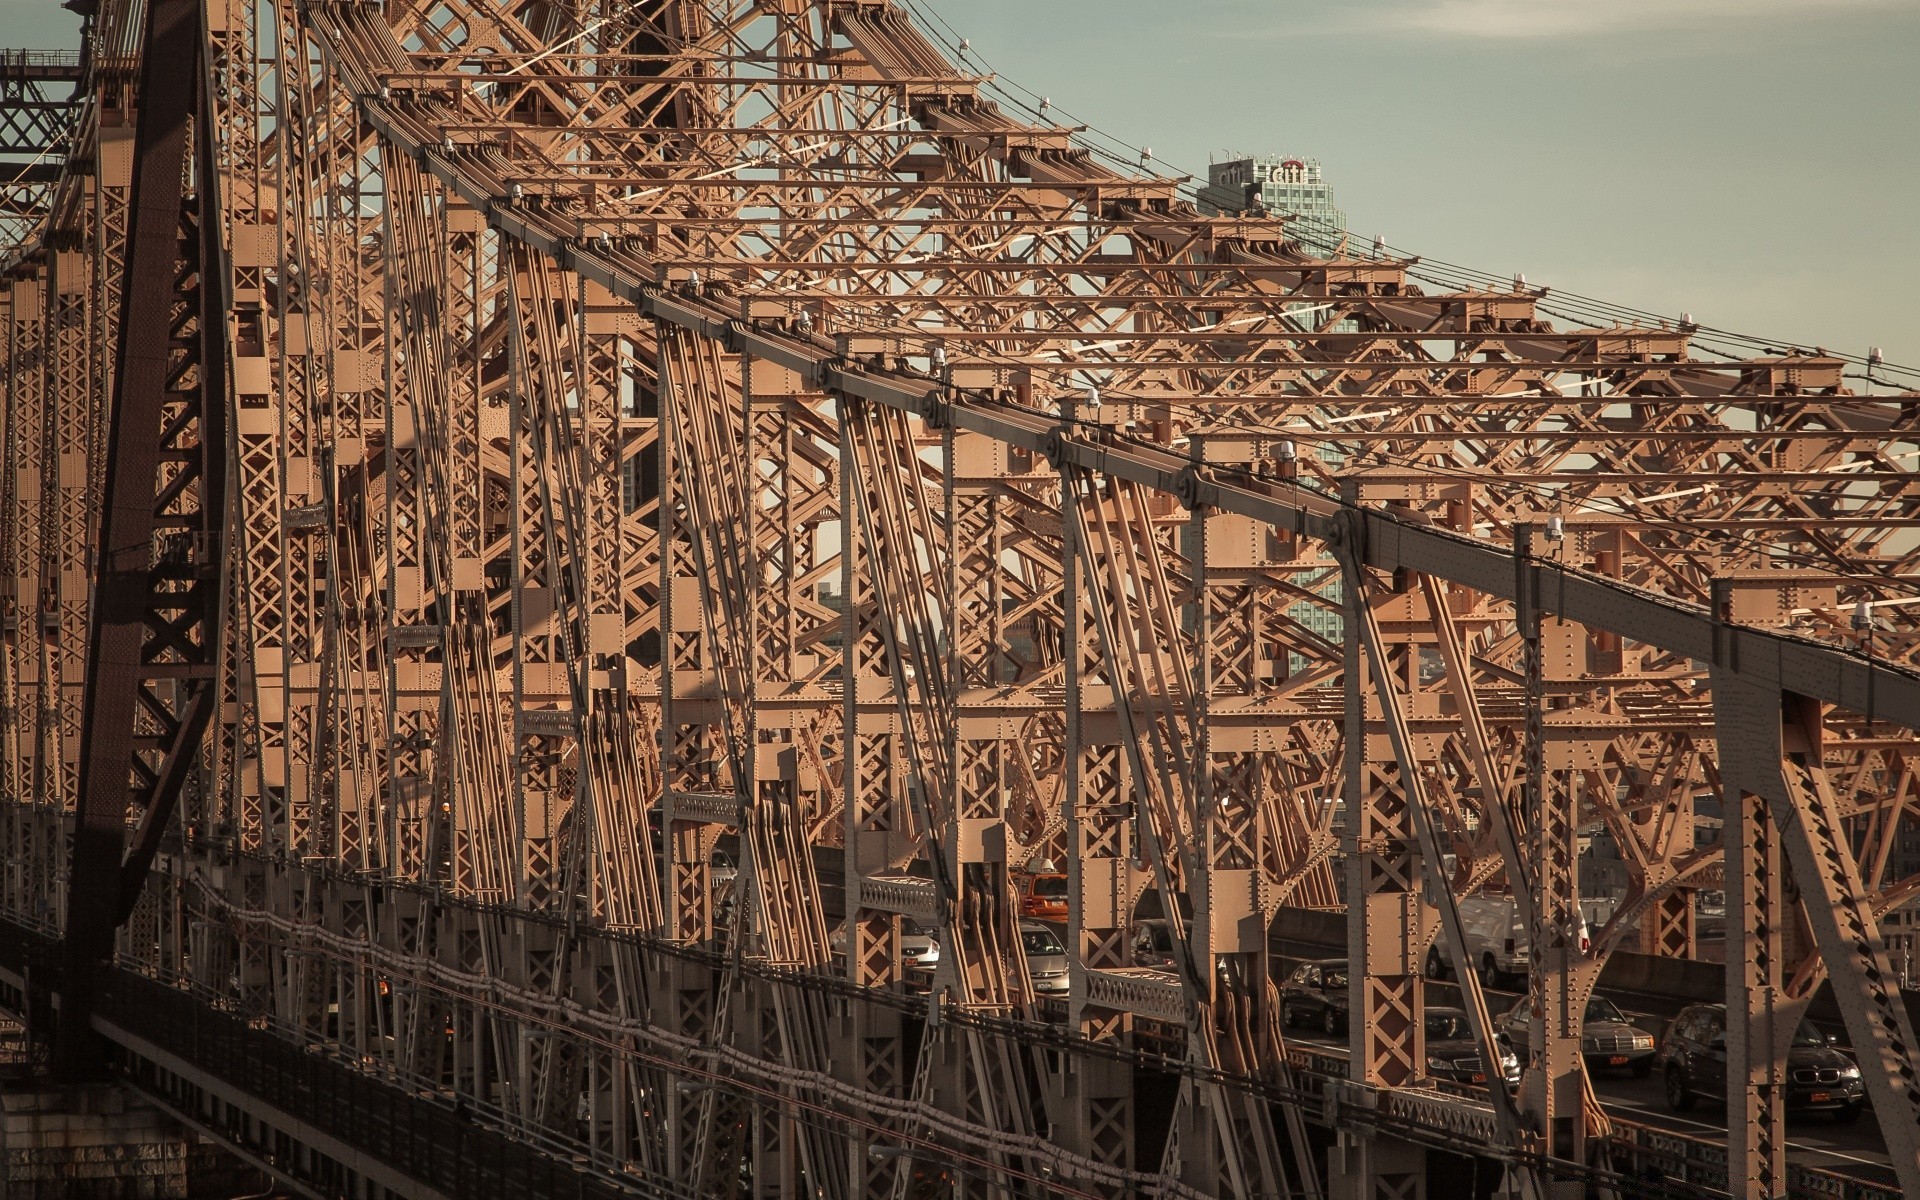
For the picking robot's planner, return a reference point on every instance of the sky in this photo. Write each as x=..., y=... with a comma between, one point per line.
x=1755, y=163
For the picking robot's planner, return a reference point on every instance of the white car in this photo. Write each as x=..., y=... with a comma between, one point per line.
x=1498, y=945
x=1046, y=959
x=919, y=949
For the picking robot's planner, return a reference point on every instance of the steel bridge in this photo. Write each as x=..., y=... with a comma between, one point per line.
x=519, y=518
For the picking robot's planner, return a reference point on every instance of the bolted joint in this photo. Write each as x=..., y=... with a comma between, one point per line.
x=934, y=410
x=1056, y=449
x=1347, y=536
x=1186, y=486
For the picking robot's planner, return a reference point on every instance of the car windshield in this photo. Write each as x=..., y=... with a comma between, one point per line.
x=1041, y=941
x=1447, y=1027
x=1053, y=887
x=1601, y=1009
x=1333, y=977
x=1808, y=1035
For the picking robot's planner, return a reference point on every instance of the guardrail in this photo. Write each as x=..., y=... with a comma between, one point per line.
x=427, y=1141
x=40, y=64
x=1661, y=1157
x=425, y=1138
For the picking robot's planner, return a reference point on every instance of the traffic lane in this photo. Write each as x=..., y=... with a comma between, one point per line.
x=1814, y=1139
x=1649, y=1011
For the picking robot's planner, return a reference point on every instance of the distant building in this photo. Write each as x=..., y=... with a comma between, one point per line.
x=1278, y=184
x=1292, y=187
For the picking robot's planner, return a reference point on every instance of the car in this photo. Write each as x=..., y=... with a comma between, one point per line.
x=919, y=948
x=1454, y=1055
x=1153, y=944
x=1499, y=946
x=1497, y=943
x=1820, y=1078
x=1607, y=1038
x=1043, y=896
x=1316, y=994
x=1046, y=959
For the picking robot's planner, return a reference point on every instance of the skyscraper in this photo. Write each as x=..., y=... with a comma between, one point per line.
x=1294, y=187
x=1278, y=184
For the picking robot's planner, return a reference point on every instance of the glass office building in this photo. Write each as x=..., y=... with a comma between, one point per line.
x=1287, y=186
x=1282, y=185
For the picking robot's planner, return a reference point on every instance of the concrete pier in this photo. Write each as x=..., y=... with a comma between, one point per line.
x=91, y=1142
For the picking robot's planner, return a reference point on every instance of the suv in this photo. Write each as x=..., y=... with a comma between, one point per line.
x=1819, y=1077
x=1497, y=943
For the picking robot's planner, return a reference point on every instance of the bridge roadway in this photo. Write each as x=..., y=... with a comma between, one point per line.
x=325, y=1127
x=1856, y=1151
x=1817, y=1143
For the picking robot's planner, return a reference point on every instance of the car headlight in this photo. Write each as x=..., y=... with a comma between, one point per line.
x=1438, y=1064
x=1589, y=1044
x=1643, y=1042
x=1850, y=1072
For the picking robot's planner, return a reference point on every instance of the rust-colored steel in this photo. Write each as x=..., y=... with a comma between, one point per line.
x=655, y=496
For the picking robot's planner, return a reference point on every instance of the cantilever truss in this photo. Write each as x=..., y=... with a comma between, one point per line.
x=690, y=434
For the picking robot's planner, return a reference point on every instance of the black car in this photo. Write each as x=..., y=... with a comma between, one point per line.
x=1819, y=1077
x=1607, y=1038
x=1153, y=944
x=1453, y=1054
x=1316, y=995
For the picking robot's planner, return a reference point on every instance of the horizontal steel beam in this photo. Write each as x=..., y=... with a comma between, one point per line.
x=1763, y=657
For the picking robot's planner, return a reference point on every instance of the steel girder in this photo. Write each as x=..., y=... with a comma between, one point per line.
x=574, y=348
x=154, y=633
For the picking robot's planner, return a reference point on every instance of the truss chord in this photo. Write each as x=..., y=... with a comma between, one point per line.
x=704, y=470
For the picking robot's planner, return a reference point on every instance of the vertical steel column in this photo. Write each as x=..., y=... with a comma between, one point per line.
x=153, y=602
x=70, y=512
x=1747, y=731
x=30, y=826
x=1232, y=781
x=1395, y=705
x=26, y=398
x=1790, y=792
x=1554, y=1088
x=15, y=813
x=691, y=767
x=1098, y=1098
x=785, y=504
x=878, y=831
x=1385, y=917
x=1386, y=987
